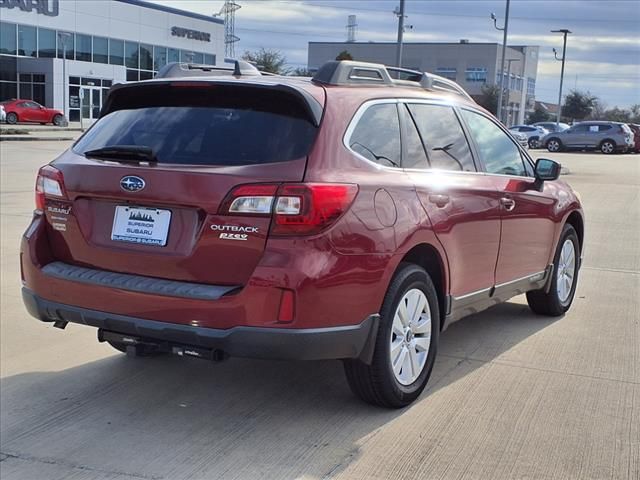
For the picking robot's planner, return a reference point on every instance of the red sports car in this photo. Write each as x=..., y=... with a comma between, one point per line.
x=30, y=111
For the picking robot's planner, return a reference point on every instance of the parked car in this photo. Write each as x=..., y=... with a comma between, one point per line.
x=3, y=114
x=533, y=133
x=207, y=214
x=552, y=126
x=636, y=136
x=30, y=111
x=608, y=137
x=522, y=138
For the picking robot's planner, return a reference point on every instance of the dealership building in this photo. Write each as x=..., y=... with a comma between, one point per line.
x=72, y=51
x=471, y=65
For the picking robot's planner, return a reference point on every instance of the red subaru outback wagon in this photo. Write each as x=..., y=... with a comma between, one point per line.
x=351, y=216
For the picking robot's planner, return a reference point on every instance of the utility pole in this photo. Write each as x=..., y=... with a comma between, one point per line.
x=564, y=32
x=504, y=51
x=400, y=13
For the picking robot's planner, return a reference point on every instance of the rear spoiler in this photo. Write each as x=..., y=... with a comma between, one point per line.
x=312, y=106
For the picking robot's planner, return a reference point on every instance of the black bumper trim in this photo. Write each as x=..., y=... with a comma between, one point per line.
x=354, y=341
x=136, y=283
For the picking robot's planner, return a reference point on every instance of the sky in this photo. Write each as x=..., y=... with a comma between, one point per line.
x=603, y=52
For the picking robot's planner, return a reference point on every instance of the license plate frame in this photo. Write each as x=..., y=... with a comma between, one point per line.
x=141, y=225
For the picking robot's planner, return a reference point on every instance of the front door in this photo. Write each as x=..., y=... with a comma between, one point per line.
x=91, y=103
x=527, y=214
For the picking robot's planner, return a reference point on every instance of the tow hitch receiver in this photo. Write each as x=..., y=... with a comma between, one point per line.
x=139, y=346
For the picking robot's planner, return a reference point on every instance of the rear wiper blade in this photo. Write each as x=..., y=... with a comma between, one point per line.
x=131, y=153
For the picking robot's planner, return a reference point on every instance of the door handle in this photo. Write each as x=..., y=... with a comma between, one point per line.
x=439, y=199
x=508, y=203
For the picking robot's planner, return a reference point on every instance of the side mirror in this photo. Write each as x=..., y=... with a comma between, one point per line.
x=547, y=170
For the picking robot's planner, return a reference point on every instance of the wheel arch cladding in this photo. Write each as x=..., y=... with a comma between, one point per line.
x=427, y=257
x=576, y=221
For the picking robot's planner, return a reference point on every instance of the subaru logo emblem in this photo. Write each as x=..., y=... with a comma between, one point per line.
x=131, y=183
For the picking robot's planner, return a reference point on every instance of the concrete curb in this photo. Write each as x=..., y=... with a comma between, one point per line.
x=30, y=138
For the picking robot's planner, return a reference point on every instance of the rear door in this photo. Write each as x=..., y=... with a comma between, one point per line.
x=167, y=219
x=462, y=204
x=576, y=136
x=528, y=214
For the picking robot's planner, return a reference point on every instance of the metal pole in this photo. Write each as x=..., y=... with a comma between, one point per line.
x=400, y=34
x=64, y=79
x=564, y=51
x=504, y=51
x=505, y=115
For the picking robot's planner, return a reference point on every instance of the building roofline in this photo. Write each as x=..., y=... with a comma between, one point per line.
x=419, y=43
x=175, y=11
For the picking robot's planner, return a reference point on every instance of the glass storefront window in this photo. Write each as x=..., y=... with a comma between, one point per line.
x=100, y=50
x=159, y=57
x=198, y=58
x=146, y=75
x=132, y=75
x=146, y=57
x=27, y=41
x=7, y=38
x=46, y=43
x=186, y=56
x=83, y=48
x=66, y=40
x=131, y=54
x=173, y=56
x=116, y=52
x=209, y=59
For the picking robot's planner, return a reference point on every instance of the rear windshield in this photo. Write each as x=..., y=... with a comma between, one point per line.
x=211, y=125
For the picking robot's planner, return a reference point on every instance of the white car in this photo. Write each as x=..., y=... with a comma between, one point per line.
x=3, y=114
x=534, y=133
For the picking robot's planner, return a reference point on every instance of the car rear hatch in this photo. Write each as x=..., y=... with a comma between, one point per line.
x=143, y=191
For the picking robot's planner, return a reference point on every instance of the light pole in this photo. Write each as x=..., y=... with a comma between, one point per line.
x=508, y=89
x=63, y=36
x=504, y=50
x=400, y=13
x=564, y=32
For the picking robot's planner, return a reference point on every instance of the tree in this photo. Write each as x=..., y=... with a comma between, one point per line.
x=616, y=114
x=271, y=61
x=344, y=55
x=489, y=98
x=539, y=115
x=578, y=105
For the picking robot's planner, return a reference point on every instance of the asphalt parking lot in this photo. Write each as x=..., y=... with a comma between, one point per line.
x=512, y=395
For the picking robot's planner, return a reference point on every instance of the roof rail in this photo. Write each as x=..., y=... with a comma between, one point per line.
x=348, y=72
x=176, y=69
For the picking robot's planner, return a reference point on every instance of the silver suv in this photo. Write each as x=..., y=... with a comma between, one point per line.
x=534, y=133
x=608, y=137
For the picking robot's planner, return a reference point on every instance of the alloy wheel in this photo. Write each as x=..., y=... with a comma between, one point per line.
x=410, y=337
x=566, y=271
x=553, y=146
x=607, y=147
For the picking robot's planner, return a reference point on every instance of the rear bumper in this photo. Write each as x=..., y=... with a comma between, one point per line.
x=354, y=341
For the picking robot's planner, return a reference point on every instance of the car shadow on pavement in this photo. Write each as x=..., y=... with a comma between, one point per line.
x=168, y=417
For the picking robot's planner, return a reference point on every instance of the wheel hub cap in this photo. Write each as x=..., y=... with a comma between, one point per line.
x=410, y=337
x=566, y=271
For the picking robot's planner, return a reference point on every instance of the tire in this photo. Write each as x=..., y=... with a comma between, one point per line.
x=559, y=299
x=12, y=118
x=534, y=142
x=608, y=147
x=554, y=145
x=377, y=383
x=57, y=120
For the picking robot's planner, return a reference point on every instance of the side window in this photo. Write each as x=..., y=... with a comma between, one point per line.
x=377, y=135
x=445, y=142
x=413, y=155
x=499, y=154
x=579, y=129
x=604, y=128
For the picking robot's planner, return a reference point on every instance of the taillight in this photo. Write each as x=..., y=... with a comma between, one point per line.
x=297, y=209
x=49, y=183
